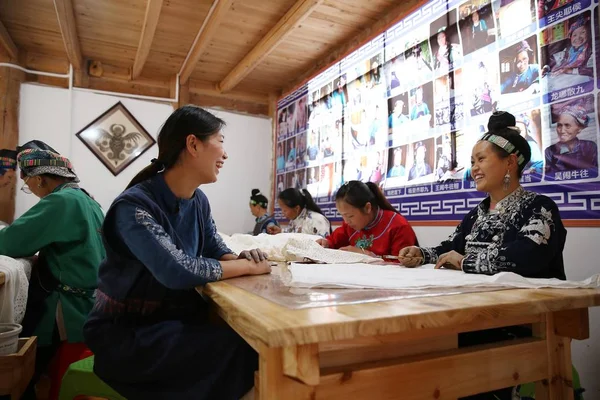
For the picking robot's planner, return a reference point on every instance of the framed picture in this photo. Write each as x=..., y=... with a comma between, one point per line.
x=116, y=138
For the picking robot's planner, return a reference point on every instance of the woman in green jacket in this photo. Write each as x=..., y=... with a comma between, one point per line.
x=64, y=229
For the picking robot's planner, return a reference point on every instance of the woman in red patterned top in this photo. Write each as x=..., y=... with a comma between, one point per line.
x=371, y=224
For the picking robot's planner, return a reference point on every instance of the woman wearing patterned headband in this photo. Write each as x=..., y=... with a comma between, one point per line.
x=512, y=229
x=571, y=153
x=258, y=208
x=64, y=227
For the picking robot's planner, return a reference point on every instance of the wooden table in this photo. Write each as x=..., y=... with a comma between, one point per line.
x=408, y=349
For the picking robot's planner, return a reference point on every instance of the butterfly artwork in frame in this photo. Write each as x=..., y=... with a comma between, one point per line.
x=116, y=138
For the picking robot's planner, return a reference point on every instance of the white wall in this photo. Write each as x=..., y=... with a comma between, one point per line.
x=44, y=115
x=580, y=264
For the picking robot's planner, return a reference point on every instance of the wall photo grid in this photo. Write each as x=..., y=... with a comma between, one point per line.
x=405, y=110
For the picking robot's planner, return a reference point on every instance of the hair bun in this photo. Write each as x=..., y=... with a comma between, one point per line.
x=501, y=120
x=255, y=192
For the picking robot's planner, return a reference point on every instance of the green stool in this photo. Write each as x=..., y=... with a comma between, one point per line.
x=527, y=391
x=80, y=380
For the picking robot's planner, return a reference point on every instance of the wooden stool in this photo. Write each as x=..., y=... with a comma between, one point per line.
x=80, y=380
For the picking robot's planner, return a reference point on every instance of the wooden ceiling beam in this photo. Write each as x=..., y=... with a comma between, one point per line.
x=294, y=17
x=8, y=43
x=385, y=21
x=210, y=25
x=153, y=8
x=229, y=104
x=68, y=29
x=210, y=89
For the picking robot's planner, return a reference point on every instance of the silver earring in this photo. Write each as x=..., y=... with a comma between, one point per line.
x=506, y=181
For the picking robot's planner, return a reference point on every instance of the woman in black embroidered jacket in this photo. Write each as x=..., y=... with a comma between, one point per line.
x=512, y=230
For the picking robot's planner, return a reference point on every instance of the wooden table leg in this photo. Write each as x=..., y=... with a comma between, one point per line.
x=273, y=384
x=559, y=384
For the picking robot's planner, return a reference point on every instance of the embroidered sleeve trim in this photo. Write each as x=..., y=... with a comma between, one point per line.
x=207, y=268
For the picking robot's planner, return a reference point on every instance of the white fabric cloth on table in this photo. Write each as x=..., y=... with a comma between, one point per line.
x=292, y=247
x=397, y=277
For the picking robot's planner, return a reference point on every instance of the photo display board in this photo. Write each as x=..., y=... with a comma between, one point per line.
x=405, y=110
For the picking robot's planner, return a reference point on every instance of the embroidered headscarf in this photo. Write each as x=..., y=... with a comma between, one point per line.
x=34, y=162
x=500, y=121
x=577, y=112
x=8, y=160
x=35, y=144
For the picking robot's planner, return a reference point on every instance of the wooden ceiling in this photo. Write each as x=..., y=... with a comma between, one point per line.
x=234, y=54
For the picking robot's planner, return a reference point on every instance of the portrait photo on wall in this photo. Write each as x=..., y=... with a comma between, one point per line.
x=445, y=42
x=513, y=16
x=571, y=139
x=326, y=182
x=280, y=159
x=313, y=175
x=301, y=114
x=351, y=169
x=325, y=96
x=566, y=51
x=420, y=102
x=289, y=180
x=290, y=146
x=393, y=73
x=530, y=127
x=396, y=171
x=116, y=138
x=339, y=97
x=374, y=166
x=314, y=109
x=291, y=119
x=481, y=88
x=282, y=123
x=417, y=57
x=374, y=76
x=445, y=157
x=301, y=150
x=329, y=145
x=280, y=184
x=520, y=71
x=378, y=126
x=477, y=25
x=420, y=161
x=397, y=108
x=449, y=101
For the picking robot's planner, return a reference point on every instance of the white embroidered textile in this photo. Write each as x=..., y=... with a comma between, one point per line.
x=396, y=277
x=292, y=247
x=13, y=294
